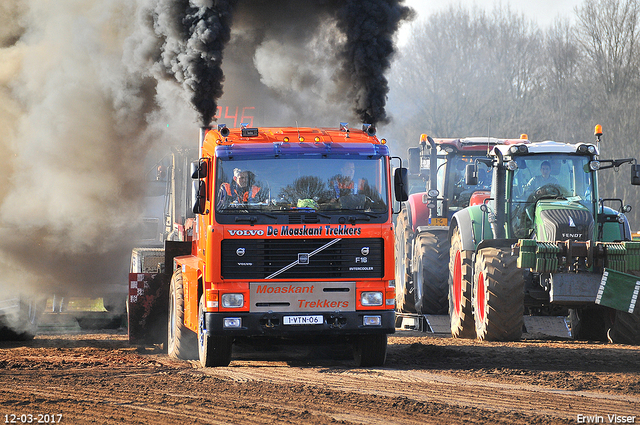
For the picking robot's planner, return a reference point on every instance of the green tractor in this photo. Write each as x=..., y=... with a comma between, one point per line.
x=545, y=243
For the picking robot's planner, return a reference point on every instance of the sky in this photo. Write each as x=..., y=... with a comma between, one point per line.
x=544, y=12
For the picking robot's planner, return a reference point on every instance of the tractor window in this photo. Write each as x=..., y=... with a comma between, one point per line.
x=548, y=176
x=460, y=193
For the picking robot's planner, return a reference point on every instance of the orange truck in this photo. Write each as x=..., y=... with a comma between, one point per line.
x=292, y=240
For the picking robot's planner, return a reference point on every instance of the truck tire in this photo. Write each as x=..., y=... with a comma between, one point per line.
x=403, y=245
x=460, y=283
x=181, y=341
x=590, y=324
x=498, y=296
x=431, y=272
x=370, y=350
x=213, y=350
x=626, y=328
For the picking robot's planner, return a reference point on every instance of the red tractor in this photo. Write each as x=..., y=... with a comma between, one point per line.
x=437, y=170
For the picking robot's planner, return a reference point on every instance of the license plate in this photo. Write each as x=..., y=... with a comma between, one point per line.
x=302, y=320
x=438, y=221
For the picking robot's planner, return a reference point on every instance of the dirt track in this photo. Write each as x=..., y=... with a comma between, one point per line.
x=100, y=378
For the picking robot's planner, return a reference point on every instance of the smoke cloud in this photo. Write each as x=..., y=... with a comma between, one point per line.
x=93, y=92
x=320, y=61
x=309, y=56
x=73, y=137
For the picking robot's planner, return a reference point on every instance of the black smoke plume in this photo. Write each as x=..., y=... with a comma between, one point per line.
x=193, y=35
x=369, y=26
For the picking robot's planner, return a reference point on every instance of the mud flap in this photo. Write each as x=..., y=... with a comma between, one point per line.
x=619, y=291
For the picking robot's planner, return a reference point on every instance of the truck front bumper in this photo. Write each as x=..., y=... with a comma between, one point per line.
x=272, y=324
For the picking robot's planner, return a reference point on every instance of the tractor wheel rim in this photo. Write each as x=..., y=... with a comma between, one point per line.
x=457, y=283
x=480, y=297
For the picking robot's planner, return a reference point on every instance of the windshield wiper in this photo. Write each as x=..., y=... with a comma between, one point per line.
x=252, y=218
x=352, y=219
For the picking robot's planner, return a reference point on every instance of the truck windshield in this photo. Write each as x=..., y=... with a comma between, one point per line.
x=289, y=184
x=548, y=176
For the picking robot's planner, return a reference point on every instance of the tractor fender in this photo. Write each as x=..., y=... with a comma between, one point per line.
x=418, y=211
x=479, y=197
x=462, y=221
x=469, y=221
x=614, y=230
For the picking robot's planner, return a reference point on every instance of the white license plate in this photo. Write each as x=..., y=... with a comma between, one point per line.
x=302, y=320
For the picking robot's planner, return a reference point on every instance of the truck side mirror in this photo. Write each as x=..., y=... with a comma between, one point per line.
x=635, y=174
x=198, y=169
x=414, y=160
x=199, y=196
x=401, y=184
x=471, y=175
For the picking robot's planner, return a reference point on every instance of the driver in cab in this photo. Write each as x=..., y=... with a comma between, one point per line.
x=543, y=179
x=241, y=190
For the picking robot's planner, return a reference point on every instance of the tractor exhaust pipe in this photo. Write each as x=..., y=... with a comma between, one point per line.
x=499, y=203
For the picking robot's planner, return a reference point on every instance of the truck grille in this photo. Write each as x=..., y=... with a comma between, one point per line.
x=276, y=258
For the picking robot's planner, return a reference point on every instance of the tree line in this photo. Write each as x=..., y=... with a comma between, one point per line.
x=473, y=72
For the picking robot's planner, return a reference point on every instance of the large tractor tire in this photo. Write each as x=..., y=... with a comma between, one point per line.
x=626, y=328
x=590, y=324
x=213, y=350
x=460, y=283
x=403, y=246
x=498, y=295
x=431, y=272
x=182, y=341
x=370, y=350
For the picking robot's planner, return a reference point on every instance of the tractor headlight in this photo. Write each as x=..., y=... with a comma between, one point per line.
x=512, y=165
x=433, y=193
x=594, y=165
x=370, y=298
x=518, y=150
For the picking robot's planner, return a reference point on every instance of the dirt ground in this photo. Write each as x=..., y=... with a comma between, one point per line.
x=98, y=377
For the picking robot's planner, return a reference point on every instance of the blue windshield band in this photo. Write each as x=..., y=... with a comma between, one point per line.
x=292, y=150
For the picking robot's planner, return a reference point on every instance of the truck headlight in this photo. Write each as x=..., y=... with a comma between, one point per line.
x=371, y=298
x=232, y=300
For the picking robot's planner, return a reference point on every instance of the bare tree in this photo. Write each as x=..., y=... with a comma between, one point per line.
x=609, y=35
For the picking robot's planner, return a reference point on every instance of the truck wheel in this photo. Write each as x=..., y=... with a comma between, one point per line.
x=626, y=328
x=460, y=282
x=498, y=296
x=370, y=350
x=431, y=272
x=590, y=324
x=182, y=341
x=403, y=245
x=213, y=350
